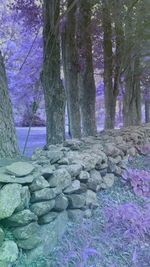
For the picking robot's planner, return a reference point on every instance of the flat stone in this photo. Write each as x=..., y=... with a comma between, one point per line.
x=20, y=169
x=75, y=186
x=49, y=217
x=43, y=194
x=76, y=201
x=39, y=183
x=29, y=243
x=61, y=203
x=60, y=178
x=27, y=231
x=7, y=178
x=8, y=253
x=2, y=235
x=10, y=199
x=42, y=208
x=22, y=218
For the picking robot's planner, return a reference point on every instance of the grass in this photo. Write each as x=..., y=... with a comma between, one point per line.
x=96, y=242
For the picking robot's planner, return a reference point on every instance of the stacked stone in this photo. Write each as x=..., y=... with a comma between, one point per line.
x=60, y=181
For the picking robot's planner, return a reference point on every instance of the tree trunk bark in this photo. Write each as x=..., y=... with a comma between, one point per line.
x=132, y=96
x=70, y=66
x=53, y=88
x=147, y=106
x=110, y=99
x=8, y=141
x=86, y=72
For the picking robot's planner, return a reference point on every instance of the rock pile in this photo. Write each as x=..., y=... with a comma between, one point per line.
x=61, y=181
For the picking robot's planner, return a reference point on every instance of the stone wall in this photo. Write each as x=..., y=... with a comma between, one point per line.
x=60, y=182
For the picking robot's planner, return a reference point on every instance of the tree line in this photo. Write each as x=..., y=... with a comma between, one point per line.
x=69, y=44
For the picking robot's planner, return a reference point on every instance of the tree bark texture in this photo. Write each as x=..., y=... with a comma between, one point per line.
x=53, y=88
x=8, y=141
x=70, y=66
x=110, y=99
x=86, y=72
x=132, y=95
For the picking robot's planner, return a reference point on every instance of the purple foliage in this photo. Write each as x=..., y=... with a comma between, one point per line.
x=129, y=221
x=139, y=180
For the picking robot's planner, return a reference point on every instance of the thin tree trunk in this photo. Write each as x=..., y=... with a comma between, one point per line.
x=8, y=141
x=86, y=73
x=53, y=88
x=70, y=66
x=110, y=100
x=147, y=106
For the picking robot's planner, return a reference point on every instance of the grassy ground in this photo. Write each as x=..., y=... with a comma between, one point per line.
x=106, y=239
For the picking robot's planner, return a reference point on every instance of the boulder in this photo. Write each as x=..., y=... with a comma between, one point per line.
x=63, y=161
x=61, y=203
x=8, y=253
x=84, y=176
x=26, y=231
x=102, y=161
x=54, y=155
x=76, y=201
x=29, y=243
x=47, y=171
x=60, y=178
x=82, y=189
x=10, y=199
x=73, y=144
x=108, y=180
x=39, y=183
x=75, y=215
x=111, y=150
x=25, y=199
x=74, y=170
x=91, y=199
x=22, y=218
x=75, y=186
x=94, y=183
x=42, y=208
x=43, y=194
x=50, y=235
x=20, y=169
x=48, y=218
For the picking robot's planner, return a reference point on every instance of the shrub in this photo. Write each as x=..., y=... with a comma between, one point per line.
x=139, y=180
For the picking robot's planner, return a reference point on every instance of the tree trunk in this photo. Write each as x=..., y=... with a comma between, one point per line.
x=86, y=73
x=53, y=88
x=147, y=106
x=8, y=141
x=110, y=99
x=132, y=96
x=70, y=66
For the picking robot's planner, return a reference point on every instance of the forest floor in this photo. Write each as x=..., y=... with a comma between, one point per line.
x=115, y=236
